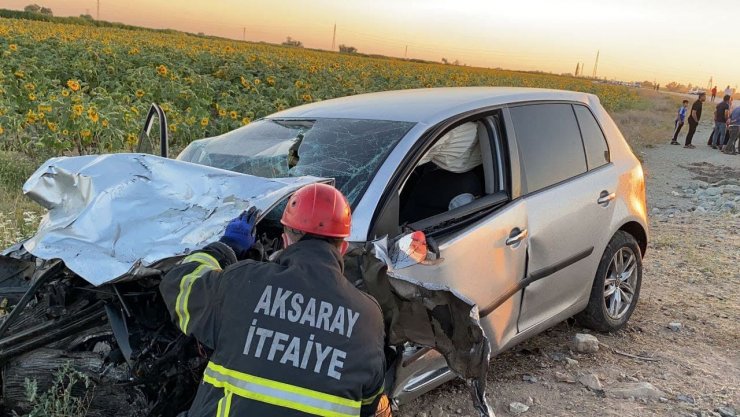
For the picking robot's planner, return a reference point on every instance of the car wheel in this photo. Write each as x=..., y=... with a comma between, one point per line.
x=616, y=287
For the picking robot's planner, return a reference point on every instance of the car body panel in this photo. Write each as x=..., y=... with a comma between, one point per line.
x=477, y=262
x=114, y=216
x=576, y=231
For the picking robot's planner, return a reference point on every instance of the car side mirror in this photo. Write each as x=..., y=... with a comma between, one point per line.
x=146, y=142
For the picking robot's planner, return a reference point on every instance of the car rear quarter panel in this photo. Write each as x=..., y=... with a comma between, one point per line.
x=631, y=203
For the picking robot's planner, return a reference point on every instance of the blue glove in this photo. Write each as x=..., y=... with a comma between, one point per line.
x=240, y=233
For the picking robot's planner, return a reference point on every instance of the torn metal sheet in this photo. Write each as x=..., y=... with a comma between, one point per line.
x=431, y=315
x=120, y=214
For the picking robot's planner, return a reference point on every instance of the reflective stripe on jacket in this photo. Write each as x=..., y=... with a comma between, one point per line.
x=290, y=338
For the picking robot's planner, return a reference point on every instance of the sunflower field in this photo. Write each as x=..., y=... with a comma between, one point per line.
x=68, y=89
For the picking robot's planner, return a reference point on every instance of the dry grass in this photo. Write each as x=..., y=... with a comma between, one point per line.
x=651, y=122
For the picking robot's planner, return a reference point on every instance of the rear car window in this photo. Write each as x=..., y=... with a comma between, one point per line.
x=348, y=150
x=549, y=143
x=594, y=142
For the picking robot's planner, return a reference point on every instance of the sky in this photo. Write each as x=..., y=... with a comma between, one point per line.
x=686, y=41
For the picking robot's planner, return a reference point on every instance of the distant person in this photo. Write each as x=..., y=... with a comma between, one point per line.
x=721, y=117
x=694, y=118
x=657, y=87
x=728, y=91
x=714, y=93
x=729, y=147
x=678, y=123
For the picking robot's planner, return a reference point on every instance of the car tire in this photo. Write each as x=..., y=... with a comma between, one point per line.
x=617, y=281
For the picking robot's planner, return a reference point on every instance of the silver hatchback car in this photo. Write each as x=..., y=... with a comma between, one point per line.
x=534, y=200
x=481, y=217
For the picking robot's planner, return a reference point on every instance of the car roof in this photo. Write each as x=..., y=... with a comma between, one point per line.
x=427, y=105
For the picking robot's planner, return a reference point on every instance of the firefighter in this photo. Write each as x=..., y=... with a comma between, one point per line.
x=291, y=337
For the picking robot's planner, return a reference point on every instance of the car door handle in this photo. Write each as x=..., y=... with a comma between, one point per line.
x=516, y=236
x=606, y=197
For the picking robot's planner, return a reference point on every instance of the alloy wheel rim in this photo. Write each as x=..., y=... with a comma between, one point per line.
x=619, y=283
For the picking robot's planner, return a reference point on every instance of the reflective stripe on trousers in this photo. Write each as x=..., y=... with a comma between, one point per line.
x=224, y=405
x=278, y=393
x=207, y=263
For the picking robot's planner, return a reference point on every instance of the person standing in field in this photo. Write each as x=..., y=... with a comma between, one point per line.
x=721, y=116
x=729, y=147
x=714, y=93
x=678, y=123
x=694, y=118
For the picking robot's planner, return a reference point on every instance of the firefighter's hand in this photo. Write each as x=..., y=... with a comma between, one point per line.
x=240, y=232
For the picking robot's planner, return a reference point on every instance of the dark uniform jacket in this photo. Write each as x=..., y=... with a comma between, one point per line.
x=290, y=338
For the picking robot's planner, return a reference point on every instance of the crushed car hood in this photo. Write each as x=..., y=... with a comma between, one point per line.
x=115, y=215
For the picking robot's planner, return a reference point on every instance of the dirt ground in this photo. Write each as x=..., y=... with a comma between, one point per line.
x=691, y=276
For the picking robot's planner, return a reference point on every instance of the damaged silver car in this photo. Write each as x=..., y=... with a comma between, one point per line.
x=481, y=217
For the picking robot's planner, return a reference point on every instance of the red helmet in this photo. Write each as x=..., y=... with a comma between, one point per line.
x=318, y=209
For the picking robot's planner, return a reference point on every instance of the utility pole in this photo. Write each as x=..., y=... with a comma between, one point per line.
x=406, y=52
x=98, y=14
x=596, y=64
x=709, y=86
x=577, y=67
x=334, y=38
x=244, y=33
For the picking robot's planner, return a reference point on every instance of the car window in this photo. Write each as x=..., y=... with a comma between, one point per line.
x=594, y=142
x=549, y=143
x=449, y=175
x=348, y=150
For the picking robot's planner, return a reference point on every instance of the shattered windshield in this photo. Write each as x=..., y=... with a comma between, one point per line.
x=348, y=150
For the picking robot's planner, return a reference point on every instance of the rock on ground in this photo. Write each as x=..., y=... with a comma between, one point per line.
x=585, y=343
x=517, y=408
x=635, y=390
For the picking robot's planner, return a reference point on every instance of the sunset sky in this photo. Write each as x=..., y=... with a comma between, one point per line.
x=687, y=41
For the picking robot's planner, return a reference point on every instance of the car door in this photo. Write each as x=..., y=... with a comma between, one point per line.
x=482, y=251
x=569, y=206
x=485, y=263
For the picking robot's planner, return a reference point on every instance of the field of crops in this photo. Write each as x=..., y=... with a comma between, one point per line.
x=80, y=89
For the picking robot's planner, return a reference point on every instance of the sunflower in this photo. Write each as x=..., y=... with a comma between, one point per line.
x=131, y=139
x=52, y=126
x=233, y=115
x=162, y=70
x=19, y=74
x=245, y=83
x=2, y=130
x=246, y=121
x=73, y=85
x=92, y=115
x=204, y=122
x=270, y=81
x=13, y=47
x=29, y=86
x=65, y=93
x=77, y=109
x=221, y=112
x=139, y=93
x=306, y=97
x=105, y=124
x=86, y=133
